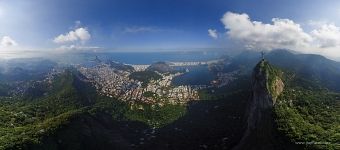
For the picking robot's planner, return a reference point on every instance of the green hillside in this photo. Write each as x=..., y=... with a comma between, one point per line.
x=309, y=116
x=27, y=123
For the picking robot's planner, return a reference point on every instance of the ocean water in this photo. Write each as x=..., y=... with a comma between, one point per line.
x=197, y=75
x=152, y=57
x=123, y=57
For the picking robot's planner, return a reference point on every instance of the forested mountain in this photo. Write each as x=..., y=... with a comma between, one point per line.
x=286, y=101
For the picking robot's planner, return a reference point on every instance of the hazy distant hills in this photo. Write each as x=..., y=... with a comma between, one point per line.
x=23, y=74
x=25, y=69
x=312, y=67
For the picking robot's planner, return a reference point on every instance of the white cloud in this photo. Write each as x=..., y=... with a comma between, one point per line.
x=6, y=41
x=327, y=35
x=213, y=33
x=136, y=29
x=77, y=47
x=75, y=39
x=283, y=34
x=317, y=23
x=80, y=34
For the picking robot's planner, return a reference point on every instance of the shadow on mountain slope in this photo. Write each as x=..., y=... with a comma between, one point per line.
x=208, y=124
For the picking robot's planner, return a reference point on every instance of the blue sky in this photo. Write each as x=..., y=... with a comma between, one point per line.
x=147, y=24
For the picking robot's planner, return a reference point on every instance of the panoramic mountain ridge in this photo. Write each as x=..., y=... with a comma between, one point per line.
x=269, y=107
x=169, y=75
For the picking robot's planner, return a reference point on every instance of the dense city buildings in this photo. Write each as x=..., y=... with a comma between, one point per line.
x=113, y=82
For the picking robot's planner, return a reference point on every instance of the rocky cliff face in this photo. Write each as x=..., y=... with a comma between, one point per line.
x=266, y=87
